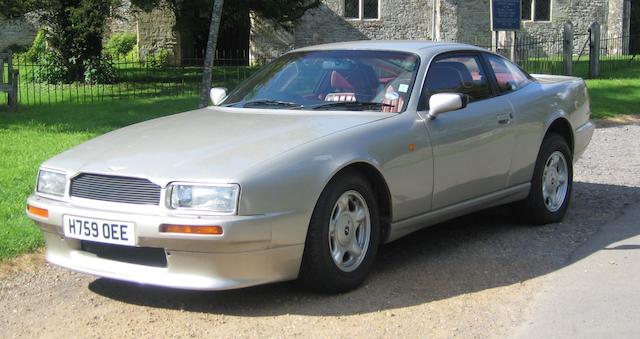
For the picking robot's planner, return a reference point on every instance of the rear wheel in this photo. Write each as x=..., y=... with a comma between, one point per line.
x=552, y=183
x=343, y=236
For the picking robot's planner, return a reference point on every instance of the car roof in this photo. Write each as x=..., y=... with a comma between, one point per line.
x=411, y=46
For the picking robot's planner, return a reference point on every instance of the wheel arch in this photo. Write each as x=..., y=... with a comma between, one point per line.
x=380, y=188
x=562, y=127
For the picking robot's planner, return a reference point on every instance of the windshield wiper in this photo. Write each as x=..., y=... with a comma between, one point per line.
x=267, y=102
x=350, y=104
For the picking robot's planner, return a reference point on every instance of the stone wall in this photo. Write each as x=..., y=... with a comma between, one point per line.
x=456, y=20
x=447, y=28
x=19, y=32
x=468, y=21
x=124, y=19
x=398, y=20
x=581, y=13
x=267, y=40
x=616, y=18
x=474, y=22
x=156, y=32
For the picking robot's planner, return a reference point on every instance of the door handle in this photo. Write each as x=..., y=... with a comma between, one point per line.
x=504, y=118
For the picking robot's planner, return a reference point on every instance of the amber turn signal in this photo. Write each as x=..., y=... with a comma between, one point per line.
x=187, y=229
x=41, y=212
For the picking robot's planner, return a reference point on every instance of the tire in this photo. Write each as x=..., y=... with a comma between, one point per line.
x=319, y=271
x=546, y=202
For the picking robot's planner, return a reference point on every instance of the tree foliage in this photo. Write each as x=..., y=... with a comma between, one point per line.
x=283, y=12
x=10, y=9
x=74, y=32
x=75, y=28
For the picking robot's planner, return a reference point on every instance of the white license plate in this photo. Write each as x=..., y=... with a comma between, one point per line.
x=100, y=230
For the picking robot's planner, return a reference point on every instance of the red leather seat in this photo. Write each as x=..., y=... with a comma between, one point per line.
x=360, y=81
x=339, y=81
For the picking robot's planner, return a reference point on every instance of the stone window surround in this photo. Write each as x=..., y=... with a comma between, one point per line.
x=533, y=13
x=361, y=12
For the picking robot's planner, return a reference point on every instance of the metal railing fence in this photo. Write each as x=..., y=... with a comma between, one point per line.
x=133, y=78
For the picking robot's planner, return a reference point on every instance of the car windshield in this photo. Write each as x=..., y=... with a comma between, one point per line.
x=331, y=80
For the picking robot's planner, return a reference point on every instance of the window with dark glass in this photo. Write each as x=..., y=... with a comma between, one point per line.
x=526, y=9
x=361, y=9
x=352, y=9
x=536, y=10
x=509, y=76
x=543, y=10
x=370, y=9
x=457, y=74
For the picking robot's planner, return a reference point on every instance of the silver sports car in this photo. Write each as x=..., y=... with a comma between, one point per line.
x=308, y=166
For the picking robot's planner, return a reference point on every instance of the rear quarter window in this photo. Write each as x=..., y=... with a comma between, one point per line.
x=509, y=77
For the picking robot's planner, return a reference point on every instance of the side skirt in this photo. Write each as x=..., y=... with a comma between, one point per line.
x=401, y=228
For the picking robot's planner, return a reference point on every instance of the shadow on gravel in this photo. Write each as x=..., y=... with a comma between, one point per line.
x=470, y=254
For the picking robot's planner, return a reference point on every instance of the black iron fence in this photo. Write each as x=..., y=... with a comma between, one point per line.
x=133, y=78
x=537, y=56
x=616, y=53
x=128, y=78
x=567, y=55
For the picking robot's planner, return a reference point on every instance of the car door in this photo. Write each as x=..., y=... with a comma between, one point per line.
x=473, y=146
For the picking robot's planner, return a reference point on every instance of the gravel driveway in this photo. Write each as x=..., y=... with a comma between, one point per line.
x=473, y=277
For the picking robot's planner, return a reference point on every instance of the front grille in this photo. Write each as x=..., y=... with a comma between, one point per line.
x=115, y=189
x=148, y=256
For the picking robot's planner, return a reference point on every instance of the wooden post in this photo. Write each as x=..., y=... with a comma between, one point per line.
x=594, y=50
x=512, y=52
x=567, y=48
x=13, y=94
x=626, y=26
x=433, y=21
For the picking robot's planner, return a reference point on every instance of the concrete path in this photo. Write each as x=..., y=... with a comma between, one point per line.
x=598, y=294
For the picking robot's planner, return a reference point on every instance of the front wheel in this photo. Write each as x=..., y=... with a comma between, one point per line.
x=552, y=182
x=343, y=236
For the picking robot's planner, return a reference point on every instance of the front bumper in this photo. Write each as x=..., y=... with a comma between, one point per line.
x=242, y=256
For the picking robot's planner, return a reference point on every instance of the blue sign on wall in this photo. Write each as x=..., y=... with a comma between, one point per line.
x=505, y=15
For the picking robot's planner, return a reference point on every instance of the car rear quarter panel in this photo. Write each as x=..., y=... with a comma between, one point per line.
x=536, y=107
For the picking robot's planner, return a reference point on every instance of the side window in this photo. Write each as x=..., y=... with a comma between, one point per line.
x=457, y=74
x=509, y=76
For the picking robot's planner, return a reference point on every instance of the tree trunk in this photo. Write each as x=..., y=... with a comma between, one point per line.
x=216, y=14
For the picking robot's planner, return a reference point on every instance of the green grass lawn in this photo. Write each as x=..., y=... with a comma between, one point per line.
x=33, y=134
x=618, y=94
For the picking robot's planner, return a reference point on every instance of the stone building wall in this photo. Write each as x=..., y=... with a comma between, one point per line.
x=620, y=16
x=468, y=21
x=267, y=40
x=447, y=15
x=456, y=20
x=124, y=19
x=19, y=32
x=156, y=32
x=399, y=20
x=472, y=21
x=326, y=23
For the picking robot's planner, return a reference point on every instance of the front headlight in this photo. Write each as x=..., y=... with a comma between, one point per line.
x=221, y=199
x=53, y=183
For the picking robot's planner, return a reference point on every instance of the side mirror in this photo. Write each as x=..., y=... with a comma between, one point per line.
x=217, y=94
x=446, y=102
